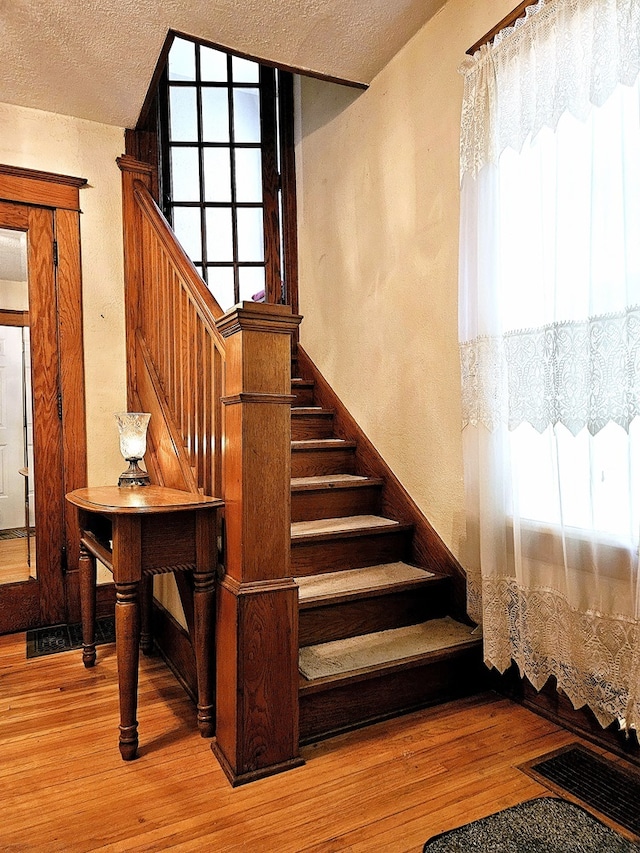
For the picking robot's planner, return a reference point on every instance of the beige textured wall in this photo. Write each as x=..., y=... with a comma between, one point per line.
x=378, y=237
x=39, y=140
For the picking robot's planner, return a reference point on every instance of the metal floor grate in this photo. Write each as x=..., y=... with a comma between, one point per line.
x=598, y=783
x=63, y=638
x=15, y=533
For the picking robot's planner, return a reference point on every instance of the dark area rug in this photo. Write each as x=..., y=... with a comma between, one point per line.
x=63, y=638
x=603, y=786
x=544, y=825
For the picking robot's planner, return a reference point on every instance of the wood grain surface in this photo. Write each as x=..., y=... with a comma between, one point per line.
x=389, y=787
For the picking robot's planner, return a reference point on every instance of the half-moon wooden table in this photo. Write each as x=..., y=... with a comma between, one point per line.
x=139, y=531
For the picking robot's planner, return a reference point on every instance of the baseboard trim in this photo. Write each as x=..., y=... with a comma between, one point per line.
x=174, y=645
x=554, y=705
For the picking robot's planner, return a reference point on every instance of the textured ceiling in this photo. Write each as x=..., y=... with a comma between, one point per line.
x=95, y=58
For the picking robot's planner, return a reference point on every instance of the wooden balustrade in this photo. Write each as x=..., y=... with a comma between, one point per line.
x=173, y=318
x=183, y=355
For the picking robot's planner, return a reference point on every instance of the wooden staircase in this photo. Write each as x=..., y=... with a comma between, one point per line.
x=383, y=622
x=368, y=618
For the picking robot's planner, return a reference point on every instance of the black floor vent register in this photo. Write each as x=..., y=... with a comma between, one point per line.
x=62, y=638
x=598, y=783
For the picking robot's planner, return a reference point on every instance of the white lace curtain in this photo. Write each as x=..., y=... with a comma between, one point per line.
x=550, y=349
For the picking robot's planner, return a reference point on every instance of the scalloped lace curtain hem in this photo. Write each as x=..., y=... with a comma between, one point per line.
x=594, y=658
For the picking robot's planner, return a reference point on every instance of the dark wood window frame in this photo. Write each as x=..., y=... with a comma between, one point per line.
x=148, y=143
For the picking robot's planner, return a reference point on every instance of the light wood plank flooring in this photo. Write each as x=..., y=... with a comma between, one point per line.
x=63, y=786
x=13, y=560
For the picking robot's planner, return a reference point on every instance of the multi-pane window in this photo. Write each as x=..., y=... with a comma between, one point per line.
x=221, y=184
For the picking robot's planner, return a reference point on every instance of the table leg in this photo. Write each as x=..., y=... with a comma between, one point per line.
x=87, y=579
x=204, y=638
x=146, y=605
x=127, y=652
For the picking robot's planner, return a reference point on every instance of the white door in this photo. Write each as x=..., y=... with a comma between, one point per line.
x=12, y=434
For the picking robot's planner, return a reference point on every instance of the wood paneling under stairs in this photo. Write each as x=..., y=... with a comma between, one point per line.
x=64, y=788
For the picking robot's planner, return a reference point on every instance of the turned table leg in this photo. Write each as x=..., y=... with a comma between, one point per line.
x=203, y=616
x=87, y=578
x=127, y=653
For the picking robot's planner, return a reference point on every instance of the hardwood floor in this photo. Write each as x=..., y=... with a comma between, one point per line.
x=13, y=560
x=64, y=787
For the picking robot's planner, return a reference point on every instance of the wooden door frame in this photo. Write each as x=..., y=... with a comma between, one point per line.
x=59, y=194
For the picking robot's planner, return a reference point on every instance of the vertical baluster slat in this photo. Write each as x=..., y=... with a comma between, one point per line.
x=217, y=427
x=184, y=367
x=156, y=299
x=186, y=350
x=200, y=405
x=193, y=373
x=170, y=343
x=208, y=413
x=143, y=308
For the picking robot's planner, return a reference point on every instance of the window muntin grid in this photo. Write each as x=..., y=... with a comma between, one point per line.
x=215, y=197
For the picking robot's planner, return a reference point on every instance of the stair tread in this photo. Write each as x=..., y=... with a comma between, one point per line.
x=330, y=585
x=383, y=649
x=346, y=524
x=298, y=381
x=321, y=443
x=311, y=410
x=332, y=481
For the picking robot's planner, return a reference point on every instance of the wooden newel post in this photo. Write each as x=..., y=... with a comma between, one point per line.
x=257, y=602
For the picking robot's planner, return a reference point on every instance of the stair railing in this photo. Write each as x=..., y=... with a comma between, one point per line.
x=173, y=342
x=218, y=388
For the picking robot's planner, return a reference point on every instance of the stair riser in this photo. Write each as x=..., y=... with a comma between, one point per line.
x=353, y=552
x=332, y=710
x=311, y=426
x=351, y=618
x=303, y=396
x=335, y=503
x=312, y=463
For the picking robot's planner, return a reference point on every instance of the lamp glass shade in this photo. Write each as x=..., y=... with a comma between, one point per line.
x=132, y=427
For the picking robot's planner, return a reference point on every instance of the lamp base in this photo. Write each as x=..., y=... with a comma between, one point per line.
x=134, y=475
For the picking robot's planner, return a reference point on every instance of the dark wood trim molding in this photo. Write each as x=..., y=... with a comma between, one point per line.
x=9, y=317
x=46, y=189
x=305, y=72
x=71, y=370
x=35, y=190
x=507, y=21
x=20, y=606
x=289, y=198
x=555, y=706
x=428, y=548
